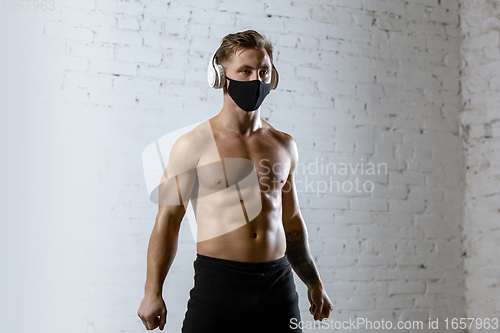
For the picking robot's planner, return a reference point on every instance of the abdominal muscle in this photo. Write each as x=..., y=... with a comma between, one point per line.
x=223, y=231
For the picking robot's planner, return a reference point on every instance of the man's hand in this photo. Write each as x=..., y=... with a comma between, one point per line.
x=153, y=312
x=321, y=306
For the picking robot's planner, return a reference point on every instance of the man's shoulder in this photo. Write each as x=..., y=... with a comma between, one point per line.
x=188, y=147
x=195, y=138
x=287, y=140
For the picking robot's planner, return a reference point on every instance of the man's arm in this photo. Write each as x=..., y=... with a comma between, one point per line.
x=174, y=193
x=164, y=237
x=297, y=244
x=162, y=246
x=299, y=255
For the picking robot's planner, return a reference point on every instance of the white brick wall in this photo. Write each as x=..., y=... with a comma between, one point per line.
x=479, y=118
x=360, y=82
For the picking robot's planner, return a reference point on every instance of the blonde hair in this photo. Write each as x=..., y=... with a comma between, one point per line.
x=249, y=39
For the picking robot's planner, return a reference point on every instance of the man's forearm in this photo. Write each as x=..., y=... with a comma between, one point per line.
x=299, y=255
x=161, y=252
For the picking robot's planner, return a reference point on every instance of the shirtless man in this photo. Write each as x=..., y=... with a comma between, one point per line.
x=238, y=172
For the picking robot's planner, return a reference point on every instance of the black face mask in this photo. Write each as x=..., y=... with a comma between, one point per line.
x=248, y=95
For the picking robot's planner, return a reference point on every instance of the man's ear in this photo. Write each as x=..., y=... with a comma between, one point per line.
x=226, y=83
x=223, y=76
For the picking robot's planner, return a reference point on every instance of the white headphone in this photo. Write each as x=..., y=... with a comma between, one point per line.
x=217, y=77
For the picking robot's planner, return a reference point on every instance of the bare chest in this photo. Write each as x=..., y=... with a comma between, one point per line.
x=235, y=161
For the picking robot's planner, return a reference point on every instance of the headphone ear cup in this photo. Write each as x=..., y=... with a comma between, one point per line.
x=211, y=76
x=274, y=78
x=221, y=76
x=215, y=73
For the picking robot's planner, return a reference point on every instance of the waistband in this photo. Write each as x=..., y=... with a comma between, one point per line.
x=273, y=264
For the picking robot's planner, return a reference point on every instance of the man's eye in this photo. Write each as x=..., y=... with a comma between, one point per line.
x=264, y=72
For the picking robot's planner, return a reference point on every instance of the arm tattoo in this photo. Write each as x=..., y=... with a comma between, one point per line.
x=297, y=252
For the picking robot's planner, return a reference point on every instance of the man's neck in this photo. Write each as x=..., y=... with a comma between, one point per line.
x=235, y=119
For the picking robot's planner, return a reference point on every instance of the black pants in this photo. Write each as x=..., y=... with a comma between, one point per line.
x=233, y=296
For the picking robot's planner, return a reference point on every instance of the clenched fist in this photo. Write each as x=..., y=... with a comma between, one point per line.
x=153, y=312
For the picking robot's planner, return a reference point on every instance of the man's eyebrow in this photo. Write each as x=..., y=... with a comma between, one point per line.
x=265, y=66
